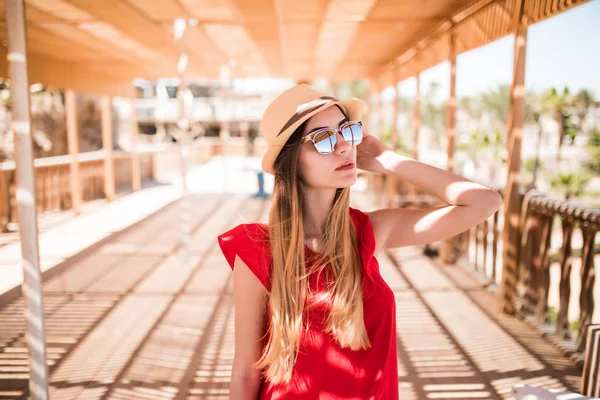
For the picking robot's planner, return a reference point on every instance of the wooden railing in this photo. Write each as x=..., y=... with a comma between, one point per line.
x=480, y=249
x=534, y=276
x=52, y=176
x=590, y=380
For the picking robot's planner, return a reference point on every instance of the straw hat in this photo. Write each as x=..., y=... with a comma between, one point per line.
x=290, y=109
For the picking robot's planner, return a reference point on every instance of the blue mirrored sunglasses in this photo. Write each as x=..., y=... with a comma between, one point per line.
x=325, y=139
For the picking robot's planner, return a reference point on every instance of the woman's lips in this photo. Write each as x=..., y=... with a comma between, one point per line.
x=346, y=168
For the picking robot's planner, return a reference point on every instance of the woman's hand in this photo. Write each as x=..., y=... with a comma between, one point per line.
x=369, y=152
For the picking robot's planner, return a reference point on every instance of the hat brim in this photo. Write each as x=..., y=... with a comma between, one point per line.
x=355, y=108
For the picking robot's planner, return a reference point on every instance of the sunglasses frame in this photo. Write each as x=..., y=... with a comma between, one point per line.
x=310, y=136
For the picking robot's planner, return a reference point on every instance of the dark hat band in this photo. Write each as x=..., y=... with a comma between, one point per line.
x=302, y=113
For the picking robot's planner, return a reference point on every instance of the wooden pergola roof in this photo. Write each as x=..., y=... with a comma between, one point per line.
x=101, y=45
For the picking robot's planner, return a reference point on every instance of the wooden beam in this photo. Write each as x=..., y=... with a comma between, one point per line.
x=512, y=198
x=14, y=11
x=73, y=145
x=107, y=145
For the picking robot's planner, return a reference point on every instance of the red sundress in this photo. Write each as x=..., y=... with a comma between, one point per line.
x=324, y=370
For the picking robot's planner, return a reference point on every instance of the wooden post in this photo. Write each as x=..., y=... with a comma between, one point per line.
x=452, y=103
x=14, y=11
x=73, y=145
x=417, y=120
x=107, y=145
x=512, y=198
x=446, y=253
x=136, y=175
x=590, y=379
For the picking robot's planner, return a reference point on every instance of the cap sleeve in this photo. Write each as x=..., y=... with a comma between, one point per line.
x=366, y=238
x=251, y=243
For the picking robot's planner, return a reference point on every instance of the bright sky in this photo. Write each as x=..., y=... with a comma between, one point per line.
x=561, y=51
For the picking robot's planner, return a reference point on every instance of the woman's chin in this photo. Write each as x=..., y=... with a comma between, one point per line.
x=347, y=181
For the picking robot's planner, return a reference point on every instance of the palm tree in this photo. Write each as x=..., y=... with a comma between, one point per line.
x=497, y=103
x=560, y=104
x=433, y=113
x=583, y=101
x=571, y=184
x=482, y=144
x=593, y=147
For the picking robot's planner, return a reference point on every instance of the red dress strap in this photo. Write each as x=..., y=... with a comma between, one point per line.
x=251, y=243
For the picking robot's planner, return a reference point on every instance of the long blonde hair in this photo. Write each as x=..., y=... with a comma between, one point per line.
x=289, y=279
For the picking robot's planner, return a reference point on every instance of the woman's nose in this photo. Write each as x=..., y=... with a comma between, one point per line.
x=341, y=146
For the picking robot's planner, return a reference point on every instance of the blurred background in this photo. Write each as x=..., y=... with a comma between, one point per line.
x=130, y=138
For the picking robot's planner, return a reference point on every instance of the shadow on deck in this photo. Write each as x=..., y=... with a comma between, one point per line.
x=125, y=320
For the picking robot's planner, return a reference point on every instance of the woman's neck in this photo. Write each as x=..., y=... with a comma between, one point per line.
x=317, y=205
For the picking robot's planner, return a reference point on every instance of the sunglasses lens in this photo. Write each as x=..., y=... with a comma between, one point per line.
x=353, y=133
x=325, y=141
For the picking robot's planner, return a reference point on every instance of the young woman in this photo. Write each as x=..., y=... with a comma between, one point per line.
x=313, y=317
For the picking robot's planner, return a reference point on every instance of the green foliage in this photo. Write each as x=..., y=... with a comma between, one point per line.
x=571, y=183
x=497, y=101
x=564, y=106
x=528, y=165
x=592, y=165
x=480, y=140
x=387, y=139
x=433, y=114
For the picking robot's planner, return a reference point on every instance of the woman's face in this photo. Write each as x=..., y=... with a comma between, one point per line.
x=321, y=170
